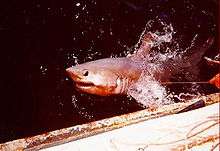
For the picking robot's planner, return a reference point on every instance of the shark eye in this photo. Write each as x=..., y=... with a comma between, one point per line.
x=86, y=73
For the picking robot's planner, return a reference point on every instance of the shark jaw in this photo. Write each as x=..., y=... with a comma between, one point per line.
x=84, y=85
x=93, y=89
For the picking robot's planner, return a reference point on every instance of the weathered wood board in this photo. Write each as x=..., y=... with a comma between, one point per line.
x=196, y=130
x=160, y=129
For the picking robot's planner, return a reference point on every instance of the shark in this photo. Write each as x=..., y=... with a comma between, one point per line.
x=114, y=76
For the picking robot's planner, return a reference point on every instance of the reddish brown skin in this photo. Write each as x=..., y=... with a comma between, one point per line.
x=215, y=80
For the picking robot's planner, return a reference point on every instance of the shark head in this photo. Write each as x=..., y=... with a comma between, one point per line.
x=104, y=77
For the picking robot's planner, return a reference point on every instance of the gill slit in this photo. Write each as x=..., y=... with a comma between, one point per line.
x=124, y=85
x=119, y=82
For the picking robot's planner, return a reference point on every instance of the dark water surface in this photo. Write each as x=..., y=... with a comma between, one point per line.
x=40, y=38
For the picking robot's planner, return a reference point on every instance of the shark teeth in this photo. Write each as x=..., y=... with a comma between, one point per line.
x=84, y=84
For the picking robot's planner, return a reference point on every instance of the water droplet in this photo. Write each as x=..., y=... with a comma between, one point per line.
x=77, y=4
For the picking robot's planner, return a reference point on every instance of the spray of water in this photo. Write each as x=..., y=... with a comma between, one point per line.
x=82, y=111
x=149, y=91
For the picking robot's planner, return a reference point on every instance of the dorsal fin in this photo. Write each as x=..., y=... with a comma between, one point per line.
x=143, y=46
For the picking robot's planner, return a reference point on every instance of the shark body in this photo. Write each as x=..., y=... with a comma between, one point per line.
x=111, y=76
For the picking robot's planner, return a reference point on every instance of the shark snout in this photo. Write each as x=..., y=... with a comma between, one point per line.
x=72, y=73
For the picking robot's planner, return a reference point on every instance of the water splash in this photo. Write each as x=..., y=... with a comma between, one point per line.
x=149, y=92
x=183, y=97
x=82, y=111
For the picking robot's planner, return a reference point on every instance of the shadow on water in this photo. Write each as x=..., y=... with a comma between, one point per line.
x=42, y=38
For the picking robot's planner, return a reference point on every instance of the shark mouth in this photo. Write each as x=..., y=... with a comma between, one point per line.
x=84, y=84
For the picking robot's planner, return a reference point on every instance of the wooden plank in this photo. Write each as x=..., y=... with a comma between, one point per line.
x=65, y=135
x=196, y=130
